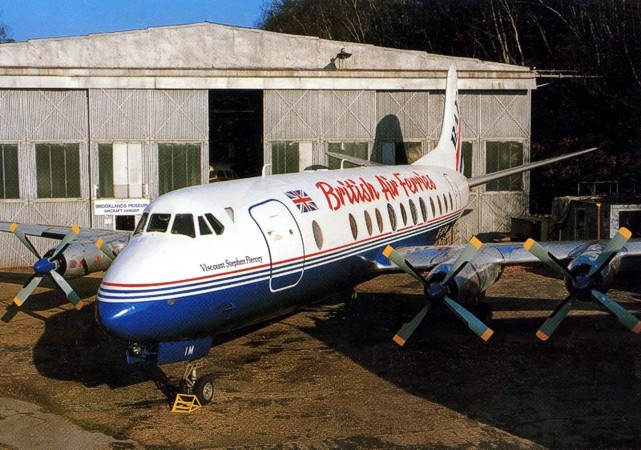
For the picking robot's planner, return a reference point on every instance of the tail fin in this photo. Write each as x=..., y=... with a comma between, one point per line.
x=448, y=150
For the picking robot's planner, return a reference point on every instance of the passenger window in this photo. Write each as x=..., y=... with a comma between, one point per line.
x=392, y=216
x=447, y=205
x=230, y=212
x=413, y=212
x=423, y=209
x=432, y=206
x=141, y=224
x=451, y=202
x=368, y=223
x=158, y=223
x=215, y=224
x=203, y=227
x=318, y=234
x=379, y=220
x=353, y=226
x=184, y=224
x=403, y=214
x=440, y=206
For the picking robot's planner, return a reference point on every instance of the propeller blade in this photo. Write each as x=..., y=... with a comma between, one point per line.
x=626, y=318
x=405, y=266
x=408, y=328
x=557, y=316
x=610, y=250
x=473, y=322
x=73, y=298
x=27, y=289
x=466, y=255
x=546, y=257
x=62, y=245
x=105, y=248
x=15, y=229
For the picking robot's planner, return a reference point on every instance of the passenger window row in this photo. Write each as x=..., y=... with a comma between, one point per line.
x=444, y=206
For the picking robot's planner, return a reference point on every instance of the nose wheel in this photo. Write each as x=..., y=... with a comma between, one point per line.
x=202, y=387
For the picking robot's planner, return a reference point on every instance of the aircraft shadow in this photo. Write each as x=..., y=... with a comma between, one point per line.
x=580, y=389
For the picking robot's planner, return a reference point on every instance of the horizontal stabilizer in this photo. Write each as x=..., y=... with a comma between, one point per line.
x=353, y=159
x=484, y=179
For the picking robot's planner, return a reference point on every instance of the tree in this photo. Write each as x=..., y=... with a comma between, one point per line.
x=594, y=41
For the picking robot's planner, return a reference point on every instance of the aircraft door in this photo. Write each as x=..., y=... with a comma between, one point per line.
x=284, y=241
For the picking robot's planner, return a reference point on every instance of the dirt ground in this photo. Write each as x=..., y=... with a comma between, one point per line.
x=330, y=376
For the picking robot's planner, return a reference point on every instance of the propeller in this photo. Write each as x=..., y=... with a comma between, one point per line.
x=439, y=291
x=46, y=266
x=106, y=248
x=582, y=284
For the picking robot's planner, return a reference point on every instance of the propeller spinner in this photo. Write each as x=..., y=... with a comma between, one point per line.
x=46, y=266
x=438, y=291
x=584, y=284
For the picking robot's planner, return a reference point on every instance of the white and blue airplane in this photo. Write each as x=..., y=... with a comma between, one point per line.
x=211, y=259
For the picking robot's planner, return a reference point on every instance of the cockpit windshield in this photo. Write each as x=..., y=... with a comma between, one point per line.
x=184, y=224
x=181, y=224
x=158, y=223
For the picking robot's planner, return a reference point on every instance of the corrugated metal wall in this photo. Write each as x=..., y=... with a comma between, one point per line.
x=148, y=117
x=30, y=117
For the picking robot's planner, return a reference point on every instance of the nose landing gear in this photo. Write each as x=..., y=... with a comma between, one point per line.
x=194, y=391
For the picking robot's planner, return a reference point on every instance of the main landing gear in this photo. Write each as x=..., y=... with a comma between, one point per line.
x=202, y=388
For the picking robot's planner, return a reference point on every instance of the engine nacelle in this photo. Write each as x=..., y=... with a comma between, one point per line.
x=583, y=260
x=470, y=283
x=80, y=259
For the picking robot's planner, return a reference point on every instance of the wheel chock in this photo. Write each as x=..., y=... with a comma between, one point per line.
x=185, y=404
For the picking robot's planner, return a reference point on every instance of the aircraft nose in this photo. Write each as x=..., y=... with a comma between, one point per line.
x=117, y=318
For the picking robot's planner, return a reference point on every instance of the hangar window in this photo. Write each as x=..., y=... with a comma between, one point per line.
x=184, y=224
x=421, y=202
x=392, y=216
x=466, y=153
x=120, y=170
x=379, y=220
x=353, y=226
x=413, y=212
x=368, y=223
x=178, y=166
x=58, y=170
x=500, y=156
x=400, y=152
x=285, y=157
x=158, y=223
x=357, y=149
x=9, y=171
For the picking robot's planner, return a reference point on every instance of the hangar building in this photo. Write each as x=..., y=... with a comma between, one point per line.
x=93, y=127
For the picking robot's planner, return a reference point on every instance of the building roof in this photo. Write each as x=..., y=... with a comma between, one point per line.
x=207, y=56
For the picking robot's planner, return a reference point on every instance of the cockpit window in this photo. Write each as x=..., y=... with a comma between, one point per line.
x=203, y=227
x=184, y=224
x=158, y=223
x=215, y=224
x=141, y=224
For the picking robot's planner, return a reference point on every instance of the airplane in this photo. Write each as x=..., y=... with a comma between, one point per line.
x=211, y=259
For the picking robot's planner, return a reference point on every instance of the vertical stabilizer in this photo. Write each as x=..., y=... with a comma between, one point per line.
x=448, y=151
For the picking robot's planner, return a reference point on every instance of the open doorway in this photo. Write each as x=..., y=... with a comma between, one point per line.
x=236, y=132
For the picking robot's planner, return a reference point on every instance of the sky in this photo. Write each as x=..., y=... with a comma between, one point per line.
x=34, y=19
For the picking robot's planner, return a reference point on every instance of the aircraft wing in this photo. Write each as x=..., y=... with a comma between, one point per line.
x=58, y=232
x=504, y=254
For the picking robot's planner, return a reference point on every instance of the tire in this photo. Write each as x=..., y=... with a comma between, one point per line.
x=204, y=389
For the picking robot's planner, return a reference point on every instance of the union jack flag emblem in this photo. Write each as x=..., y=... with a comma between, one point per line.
x=303, y=201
